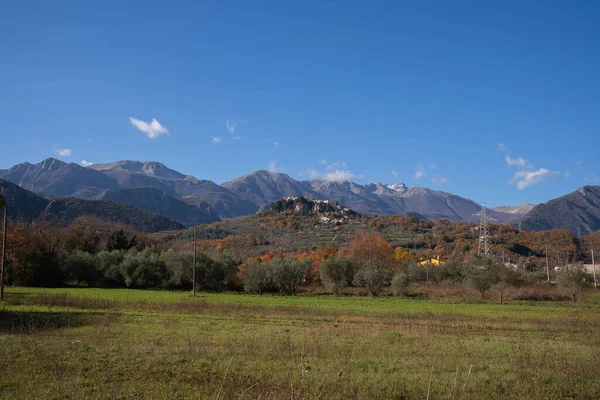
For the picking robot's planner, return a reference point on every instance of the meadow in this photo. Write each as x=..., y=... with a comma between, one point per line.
x=123, y=343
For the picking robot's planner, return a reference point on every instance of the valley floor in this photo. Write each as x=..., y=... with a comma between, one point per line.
x=113, y=343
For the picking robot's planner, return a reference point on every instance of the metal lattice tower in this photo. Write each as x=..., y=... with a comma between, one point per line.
x=484, y=233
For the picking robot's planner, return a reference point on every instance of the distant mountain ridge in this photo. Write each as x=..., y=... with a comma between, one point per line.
x=154, y=187
x=578, y=211
x=263, y=187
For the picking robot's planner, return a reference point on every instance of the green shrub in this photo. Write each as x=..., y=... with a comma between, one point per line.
x=143, y=269
x=179, y=269
x=81, y=267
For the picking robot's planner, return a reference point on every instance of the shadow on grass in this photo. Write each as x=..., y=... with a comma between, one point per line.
x=14, y=322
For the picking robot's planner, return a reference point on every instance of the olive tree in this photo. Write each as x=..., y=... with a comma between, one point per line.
x=258, y=278
x=400, y=284
x=572, y=278
x=288, y=274
x=483, y=272
x=373, y=276
x=335, y=273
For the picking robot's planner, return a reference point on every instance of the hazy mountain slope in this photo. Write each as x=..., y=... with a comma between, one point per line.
x=156, y=201
x=56, y=178
x=362, y=199
x=24, y=204
x=521, y=209
x=199, y=193
x=575, y=211
x=150, y=168
x=264, y=187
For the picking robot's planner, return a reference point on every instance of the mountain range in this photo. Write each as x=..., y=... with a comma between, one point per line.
x=153, y=187
x=26, y=205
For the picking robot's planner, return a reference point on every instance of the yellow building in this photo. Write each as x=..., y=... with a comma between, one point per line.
x=433, y=261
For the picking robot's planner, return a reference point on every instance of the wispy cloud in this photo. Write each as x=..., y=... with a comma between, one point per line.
x=152, y=129
x=216, y=140
x=592, y=179
x=322, y=162
x=394, y=174
x=336, y=165
x=86, y=163
x=438, y=181
x=527, y=175
x=230, y=125
x=520, y=162
x=275, y=144
x=272, y=167
x=502, y=147
x=63, y=152
x=579, y=164
x=524, y=179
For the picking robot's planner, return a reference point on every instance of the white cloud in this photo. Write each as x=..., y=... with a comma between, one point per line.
x=394, y=174
x=275, y=144
x=420, y=171
x=579, y=164
x=332, y=176
x=338, y=175
x=272, y=167
x=592, y=179
x=438, y=181
x=86, y=163
x=527, y=175
x=502, y=147
x=567, y=174
x=524, y=179
x=230, y=125
x=153, y=129
x=63, y=152
x=216, y=140
x=334, y=172
x=520, y=162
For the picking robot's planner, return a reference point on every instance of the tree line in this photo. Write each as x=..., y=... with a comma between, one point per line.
x=89, y=253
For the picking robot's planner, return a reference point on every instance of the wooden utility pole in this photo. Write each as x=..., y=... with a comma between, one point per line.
x=3, y=256
x=194, y=270
x=547, y=265
x=594, y=270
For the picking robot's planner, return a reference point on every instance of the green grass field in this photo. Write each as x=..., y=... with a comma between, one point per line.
x=114, y=343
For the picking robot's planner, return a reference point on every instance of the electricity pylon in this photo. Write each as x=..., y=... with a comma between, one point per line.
x=484, y=233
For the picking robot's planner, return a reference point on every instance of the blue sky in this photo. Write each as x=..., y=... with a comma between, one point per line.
x=495, y=101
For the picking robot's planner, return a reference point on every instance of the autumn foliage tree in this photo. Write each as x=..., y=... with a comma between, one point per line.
x=374, y=259
x=368, y=248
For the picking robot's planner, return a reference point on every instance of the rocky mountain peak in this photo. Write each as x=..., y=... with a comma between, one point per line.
x=398, y=187
x=51, y=164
